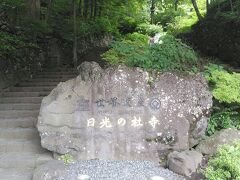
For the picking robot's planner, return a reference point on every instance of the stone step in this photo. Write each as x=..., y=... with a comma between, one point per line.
x=23, y=106
x=28, y=122
x=21, y=145
x=48, y=80
x=32, y=89
x=67, y=73
x=20, y=160
x=18, y=113
x=36, y=100
x=16, y=174
x=55, y=76
x=25, y=94
x=71, y=69
x=37, y=84
x=19, y=133
x=73, y=72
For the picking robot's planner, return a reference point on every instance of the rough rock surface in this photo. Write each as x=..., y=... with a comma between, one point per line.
x=124, y=113
x=104, y=170
x=209, y=146
x=185, y=163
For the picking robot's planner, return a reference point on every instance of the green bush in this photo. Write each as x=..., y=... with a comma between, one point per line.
x=66, y=158
x=149, y=29
x=132, y=47
x=167, y=55
x=171, y=54
x=225, y=165
x=178, y=21
x=225, y=88
x=225, y=85
x=223, y=118
x=168, y=16
x=13, y=48
x=127, y=25
x=138, y=38
x=98, y=26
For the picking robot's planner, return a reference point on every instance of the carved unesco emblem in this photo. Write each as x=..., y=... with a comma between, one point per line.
x=155, y=104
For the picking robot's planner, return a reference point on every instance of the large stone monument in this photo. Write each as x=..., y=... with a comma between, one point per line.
x=124, y=113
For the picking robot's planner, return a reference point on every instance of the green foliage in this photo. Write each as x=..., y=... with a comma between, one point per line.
x=179, y=20
x=225, y=86
x=9, y=43
x=95, y=27
x=33, y=29
x=138, y=38
x=8, y=4
x=132, y=47
x=225, y=164
x=66, y=158
x=217, y=34
x=127, y=25
x=168, y=54
x=168, y=16
x=12, y=47
x=149, y=29
x=172, y=54
x=223, y=118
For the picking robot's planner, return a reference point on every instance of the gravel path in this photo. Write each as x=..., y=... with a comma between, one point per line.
x=118, y=170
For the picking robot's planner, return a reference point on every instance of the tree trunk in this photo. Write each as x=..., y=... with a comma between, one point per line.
x=85, y=9
x=194, y=3
x=95, y=8
x=91, y=2
x=49, y=7
x=207, y=5
x=99, y=5
x=176, y=5
x=152, y=9
x=33, y=8
x=80, y=8
x=231, y=5
x=74, y=34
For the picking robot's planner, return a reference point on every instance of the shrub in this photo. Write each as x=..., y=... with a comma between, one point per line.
x=149, y=29
x=66, y=158
x=14, y=49
x=168, y=54
x=138, y=38
x=225, y=86
x=127, y=25
x=224, y=118
x=225, y=164
x=130, y=48
x=171, y=54
x=168, y=16
x=217, y=35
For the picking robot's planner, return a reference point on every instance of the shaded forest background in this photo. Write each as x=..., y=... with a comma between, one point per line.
x=48, y=33
x=187, y=36
x=28, y=27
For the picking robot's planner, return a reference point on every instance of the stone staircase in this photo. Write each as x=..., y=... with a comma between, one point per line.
x=20, y=147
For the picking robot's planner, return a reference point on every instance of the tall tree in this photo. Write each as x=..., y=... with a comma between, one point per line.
x=91, y=2
x=176, y=4
x=95, y=7
x=207, y=5
x=231, y=5
x=74, y=33
x=195, y=6
x=33, y=7
x=86, y=6
x=80, y=8
x=152, y=9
